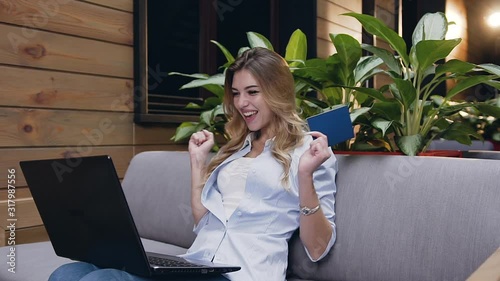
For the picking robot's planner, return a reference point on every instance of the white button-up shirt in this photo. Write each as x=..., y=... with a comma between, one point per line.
x=256, y=235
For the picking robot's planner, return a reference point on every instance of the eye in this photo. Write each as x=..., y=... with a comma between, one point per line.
x=235, y=94
x=253, y=92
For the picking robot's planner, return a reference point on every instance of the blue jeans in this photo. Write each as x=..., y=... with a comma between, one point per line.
x=81, y=271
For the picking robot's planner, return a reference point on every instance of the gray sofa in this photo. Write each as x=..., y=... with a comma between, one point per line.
x=398, y=218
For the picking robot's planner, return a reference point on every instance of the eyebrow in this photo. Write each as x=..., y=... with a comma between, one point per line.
x=247, y=87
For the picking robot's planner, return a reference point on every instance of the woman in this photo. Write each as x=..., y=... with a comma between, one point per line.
x=269, y=180
x=246, y=202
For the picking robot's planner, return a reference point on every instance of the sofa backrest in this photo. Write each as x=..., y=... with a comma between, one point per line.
x=409, y=218
x=398, y=217
x=157, y=185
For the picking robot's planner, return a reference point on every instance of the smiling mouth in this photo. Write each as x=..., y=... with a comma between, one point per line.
x=249, y=114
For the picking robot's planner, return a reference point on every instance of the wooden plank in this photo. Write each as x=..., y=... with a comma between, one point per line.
x=41, y=127
x=324, y=28
x=124, y=5
x=27, y=235
x=27, y=87
x=121, y=156
x=26, y=213
x=145, y=134
x=54, y=51
x=333, y=13
x=351, y=5
x=71, y=17
x=325, y=48
x=22, y=192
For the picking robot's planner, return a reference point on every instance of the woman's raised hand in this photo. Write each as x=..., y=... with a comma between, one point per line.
x=317, y=153
x=201, y=143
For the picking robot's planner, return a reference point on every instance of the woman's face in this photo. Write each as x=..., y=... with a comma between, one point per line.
x=249, y=101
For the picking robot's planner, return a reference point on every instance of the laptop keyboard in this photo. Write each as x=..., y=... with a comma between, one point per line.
x=164, y=262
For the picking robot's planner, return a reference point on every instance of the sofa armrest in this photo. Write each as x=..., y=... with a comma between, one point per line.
x=489, y=270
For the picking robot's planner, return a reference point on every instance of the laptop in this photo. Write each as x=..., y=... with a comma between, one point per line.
x=335, y=123
x=87, y=218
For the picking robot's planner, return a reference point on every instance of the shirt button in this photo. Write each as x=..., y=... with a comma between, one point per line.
x=239, y=213
x=249, y=195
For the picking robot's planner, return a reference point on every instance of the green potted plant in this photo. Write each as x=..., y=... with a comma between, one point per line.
x=320, y=83
x=410, y=115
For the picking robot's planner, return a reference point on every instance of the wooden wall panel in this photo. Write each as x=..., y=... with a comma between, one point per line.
x=62, y=52
x=27, y=87
x=66, y=89
x=333, y=13
x=70, y=17
x=158, y=135
x=331, y=20
x=325, y=28
x=352, y=5
x=124, y=5
x=121, y=156
x=39, y=127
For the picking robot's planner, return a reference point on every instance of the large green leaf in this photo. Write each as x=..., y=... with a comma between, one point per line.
x=491, y=110
x=348, y=50
x=460, y=132
x=382, y=124
x=454, y=66
x=491, y=68
x=371, y=92
x=356, y=112
x=227, y=54
x=314, y=69
x=467, y=83
x=378, y=28
x=194, y=75
x=296, y=49
x=217, y=90
x=432, y=26
x=258, y=40
x=388, y=57
x=389, y=110
x=333, y=95
x=217, y=79
x=211, y=102
x=365, y=66
x=185, y=130
x=430, y=51
x=404, y=91
x=410, y=145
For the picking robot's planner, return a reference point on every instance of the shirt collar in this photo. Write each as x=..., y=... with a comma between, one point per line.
x=249, y=138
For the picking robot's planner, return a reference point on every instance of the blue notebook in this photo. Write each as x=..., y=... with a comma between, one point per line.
x=335, y=124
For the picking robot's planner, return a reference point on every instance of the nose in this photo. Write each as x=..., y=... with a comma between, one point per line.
x=241, y=101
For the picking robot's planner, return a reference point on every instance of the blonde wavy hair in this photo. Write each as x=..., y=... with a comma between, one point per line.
x=276, y=82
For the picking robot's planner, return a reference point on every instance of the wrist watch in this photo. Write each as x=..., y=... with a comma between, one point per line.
x=308, y=211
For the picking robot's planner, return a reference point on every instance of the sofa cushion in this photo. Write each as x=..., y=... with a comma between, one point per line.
x=409, y=218
x=36, y=261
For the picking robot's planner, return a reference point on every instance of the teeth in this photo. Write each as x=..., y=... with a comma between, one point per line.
x=247, y=114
